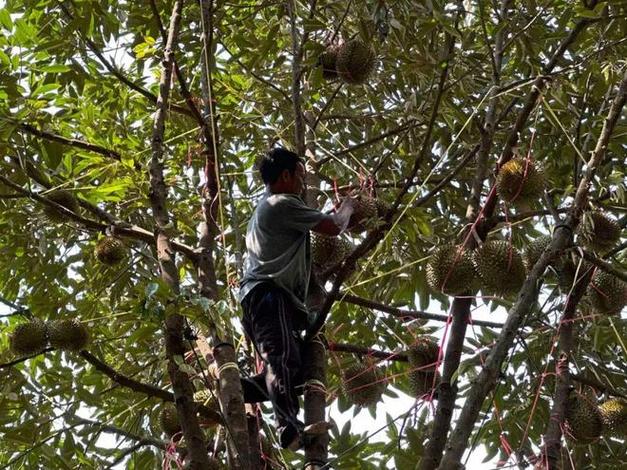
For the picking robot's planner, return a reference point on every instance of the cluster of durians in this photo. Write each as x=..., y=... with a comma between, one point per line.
x=35, y=336
x=327, y=251
x=498, y=268
x=207, y=407
x=585, y=421
x=352, y=61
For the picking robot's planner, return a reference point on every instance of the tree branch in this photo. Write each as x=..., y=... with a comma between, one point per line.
x=604, y=265
x=553, y=435
x=174, y=323
x=528, y=295
x=125, y=381
x=81, y=144
x=363, y=351
x=108, y=428
x=405, y=314
x=119, y=75
x=121, y=228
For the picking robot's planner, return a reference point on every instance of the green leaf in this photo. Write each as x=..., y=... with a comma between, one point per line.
x=5, y=19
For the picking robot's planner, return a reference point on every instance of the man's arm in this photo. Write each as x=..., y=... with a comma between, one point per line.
x=334, y=224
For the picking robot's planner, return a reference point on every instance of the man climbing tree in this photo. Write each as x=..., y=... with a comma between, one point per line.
x=274, y=286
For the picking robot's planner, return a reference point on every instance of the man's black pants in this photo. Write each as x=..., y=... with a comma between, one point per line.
x=270, y=321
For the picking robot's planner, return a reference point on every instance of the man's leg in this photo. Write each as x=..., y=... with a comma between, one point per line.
x=268, y=322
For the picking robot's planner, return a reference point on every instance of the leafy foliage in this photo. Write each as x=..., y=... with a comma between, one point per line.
x=62, y=64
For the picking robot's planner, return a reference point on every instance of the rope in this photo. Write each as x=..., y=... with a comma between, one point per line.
x=227, y=365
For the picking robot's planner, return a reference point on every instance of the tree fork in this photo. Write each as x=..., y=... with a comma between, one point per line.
x=528, y=294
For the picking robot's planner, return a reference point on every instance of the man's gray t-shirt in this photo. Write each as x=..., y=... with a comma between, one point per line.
x=277, y=242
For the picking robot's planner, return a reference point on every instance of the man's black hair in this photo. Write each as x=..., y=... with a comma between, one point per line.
x=275, y=162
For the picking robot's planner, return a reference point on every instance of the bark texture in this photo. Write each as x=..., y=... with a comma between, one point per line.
x=232, y=402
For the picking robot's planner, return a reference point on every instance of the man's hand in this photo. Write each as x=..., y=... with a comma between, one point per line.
x=336, y=223
x=344, y=212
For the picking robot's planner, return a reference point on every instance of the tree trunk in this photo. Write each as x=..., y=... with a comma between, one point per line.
x=315, y=363
x=232, y=402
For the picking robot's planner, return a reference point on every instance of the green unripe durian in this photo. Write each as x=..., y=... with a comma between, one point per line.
x=29, y=338
x=68, y=334
x=363, y=385
x=614, y=416
x=583, y=421
x=450, y=270
x=607, y=293
x=519, y=181
x=110, y=251
x=598, y=232
x=355, y=61
x=500, y=268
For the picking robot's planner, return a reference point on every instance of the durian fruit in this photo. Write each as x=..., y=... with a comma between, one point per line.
x=110, y=250
x=328, y=251
x=567, y=268
x=423, y=354
x=423, y=382
x=64, y=198
x=535, y=249
x=363, y=385
x=519, y=181
x=583, y=421
x=607, y=293
x=29, y=338
x=169, y=419
x=500, y=267
x=365, y=210
x=68, y=334
x=355, y=61
x=382, y=207
x=328, y=61
x=450, y=270
x=614, y=416
x=598, y=232
x=209, y=409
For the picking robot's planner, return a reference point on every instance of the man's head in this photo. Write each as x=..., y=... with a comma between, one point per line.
x=283, y=171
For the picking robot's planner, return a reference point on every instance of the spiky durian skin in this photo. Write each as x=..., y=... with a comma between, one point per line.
x=110, y=251
x=29, y=338
x=328, y=251
x=534, y=250
x=583, y=421
x=355, y=61
x=614, y=416
x=423, y=354
x=328, y=61
x=422, y=383
x=68, y=334
x=209, y=408
x=365, y=211
x=363, y=385
x=64, y=198
x=519, y=181
x=500, y=268
x=607, y=293
x=169, y=419
x=598, y=232
x=450, y=270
